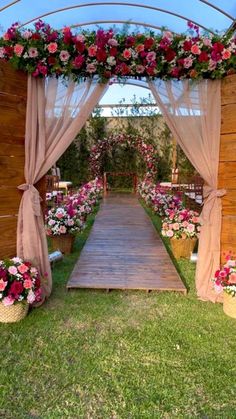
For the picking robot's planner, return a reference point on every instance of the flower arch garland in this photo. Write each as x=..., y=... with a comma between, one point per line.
x=147, y=151
x=44, y=51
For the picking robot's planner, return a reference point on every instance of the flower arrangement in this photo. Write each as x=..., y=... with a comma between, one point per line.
x=181, y=224
x=19, y=281
x=147, y=151
x=44, y=51
x=63, y=220
x=225, y=278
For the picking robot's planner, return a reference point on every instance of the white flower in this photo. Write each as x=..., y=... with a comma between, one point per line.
x=111, y=61
x=31, y=297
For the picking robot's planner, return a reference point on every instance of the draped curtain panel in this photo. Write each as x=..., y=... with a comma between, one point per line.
x=56, y=112
x=192, y=111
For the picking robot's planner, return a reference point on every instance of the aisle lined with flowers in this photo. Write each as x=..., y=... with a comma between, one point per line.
x=124, y=251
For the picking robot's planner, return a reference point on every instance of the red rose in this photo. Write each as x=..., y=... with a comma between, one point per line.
x=107, y=74
x=175, y=72
x=16, y=288
x=130, y=40
x=148, y=43
x=78, y=61
x=113, y=52
x=36, y=36
x=101, y=55
x=37, y=282
x=9, y=51
x=150, y=71
x=218, y=47
x=170, y=54
x=203, y=57
x=52, y=60
x=187, y=45
x=80, y=47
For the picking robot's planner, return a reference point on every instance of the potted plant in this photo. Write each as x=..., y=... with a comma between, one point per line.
x=182, y=227
x=225, y=281
x=62, y=224
x=19, y=287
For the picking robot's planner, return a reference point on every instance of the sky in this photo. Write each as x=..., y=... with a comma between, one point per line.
x=194, y=10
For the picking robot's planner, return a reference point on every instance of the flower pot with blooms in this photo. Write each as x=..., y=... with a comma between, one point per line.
x=62, y=224
x=182, y=227
x=225, y=281
x=19, y=287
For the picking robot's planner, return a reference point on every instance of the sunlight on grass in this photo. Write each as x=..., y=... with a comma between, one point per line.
x=126, y=354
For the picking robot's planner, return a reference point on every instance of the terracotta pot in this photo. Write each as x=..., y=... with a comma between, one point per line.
x=182, y=248
x=229, y=305
x=13, y=313
x=63, y=242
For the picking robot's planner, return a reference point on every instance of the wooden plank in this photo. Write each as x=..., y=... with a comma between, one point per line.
x=124, y=251
x=12, y=114
x=228, y=147
x=228, y=90
x=228, y=230
x=8, y=227
x=12, y=150
x=227, y=175
x=228, y=121
x=229, y=203
x=12, y=81
x=12, y=171
x=10, y=200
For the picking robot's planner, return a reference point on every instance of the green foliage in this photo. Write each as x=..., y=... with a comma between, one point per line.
x=68, y=164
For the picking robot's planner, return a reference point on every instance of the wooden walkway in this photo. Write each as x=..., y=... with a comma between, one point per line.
x=124, y=251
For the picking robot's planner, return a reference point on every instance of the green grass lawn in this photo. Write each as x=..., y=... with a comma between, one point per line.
x=125, y=354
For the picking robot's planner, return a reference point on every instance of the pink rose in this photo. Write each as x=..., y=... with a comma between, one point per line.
x=176, y=226
x=31, y=297
x=112, y=42
x=232, y=278
x=206, y=42
x=52, y=47
x=91, y=68
x=28, y=284
x=140, y=69
x=62, y=229
x=170, y=233
x=195, y=49
x=18, y=50
x=191, y=228
x=23, y=268
x=127, y=53
x=8, y=301
x=33, y=52
x=188, y=62
x=27, y=34
x=3, y=285
x=60, y=215
x=12, y=270
x=2, y=52
x=168, y=35
x=151, y=56
x=139, y=48
x=80, y=38
x=226, y=54
x=64, y=56
x=92, y=50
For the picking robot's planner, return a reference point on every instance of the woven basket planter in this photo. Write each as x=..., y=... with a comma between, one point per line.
x=182, y=248
x=64, y=243
x=13, y=313
x=229, y=305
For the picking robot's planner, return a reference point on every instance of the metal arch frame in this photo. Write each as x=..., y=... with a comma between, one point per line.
x=9, y=5
x=116, y=3
x=130, y=22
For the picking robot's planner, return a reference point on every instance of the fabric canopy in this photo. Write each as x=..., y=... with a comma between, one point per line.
x=55, y=114
x=192, y=111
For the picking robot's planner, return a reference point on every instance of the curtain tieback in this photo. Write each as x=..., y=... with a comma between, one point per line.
x=34, y=197
x=210, y=194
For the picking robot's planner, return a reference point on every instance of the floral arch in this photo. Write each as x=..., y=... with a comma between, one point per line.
x=147, y=151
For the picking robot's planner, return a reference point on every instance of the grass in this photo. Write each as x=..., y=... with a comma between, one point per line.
x=89, y=354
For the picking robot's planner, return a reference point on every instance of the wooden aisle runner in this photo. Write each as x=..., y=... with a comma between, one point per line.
x=124, y=251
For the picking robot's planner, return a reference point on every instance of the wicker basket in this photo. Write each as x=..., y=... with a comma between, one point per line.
x=229, y=305
x=182, y=248
x=13, y=313
x=64, y=243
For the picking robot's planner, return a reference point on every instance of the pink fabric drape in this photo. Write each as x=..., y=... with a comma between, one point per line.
x=192, y=111
x=55, y=114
